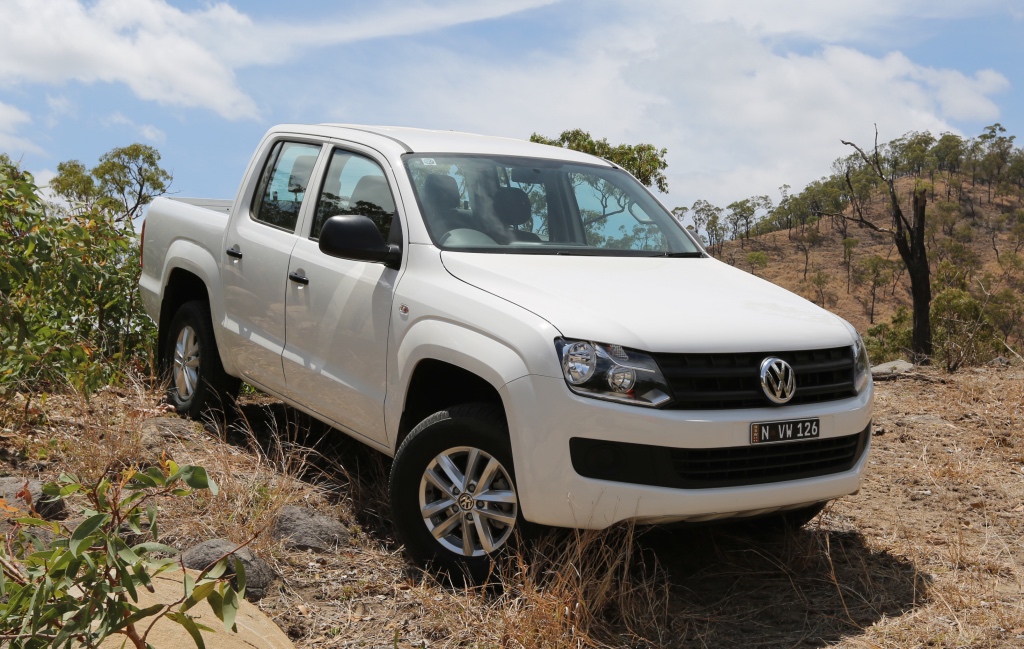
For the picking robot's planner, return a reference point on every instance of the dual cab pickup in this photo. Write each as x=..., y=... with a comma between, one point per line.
x=526, y=329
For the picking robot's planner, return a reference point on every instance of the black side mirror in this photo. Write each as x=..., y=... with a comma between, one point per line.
x=357, y=237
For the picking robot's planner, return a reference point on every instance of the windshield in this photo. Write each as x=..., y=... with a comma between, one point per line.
x=533, y=205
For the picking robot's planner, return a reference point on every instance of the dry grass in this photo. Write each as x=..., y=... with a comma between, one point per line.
x=928, y=554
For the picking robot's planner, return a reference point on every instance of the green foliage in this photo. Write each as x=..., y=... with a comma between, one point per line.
x=125, y=180
x=69, y=304
x=757, y=260
x=83, y=586
x=890, y=341
x=963, y=333
x=645, y=161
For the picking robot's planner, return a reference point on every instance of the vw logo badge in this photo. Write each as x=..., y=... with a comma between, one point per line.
x=777, y=380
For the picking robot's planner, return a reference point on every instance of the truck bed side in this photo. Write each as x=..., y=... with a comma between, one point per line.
x=184, y=236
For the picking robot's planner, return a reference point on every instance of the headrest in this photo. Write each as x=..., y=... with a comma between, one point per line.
x=373, y=189
x=512, y=206
x=302, y=169
x=332, y=185
x=441, y=192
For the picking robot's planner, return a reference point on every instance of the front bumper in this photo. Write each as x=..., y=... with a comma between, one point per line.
x=543, y=417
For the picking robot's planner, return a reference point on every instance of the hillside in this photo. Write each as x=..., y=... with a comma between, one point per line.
x=973, y=244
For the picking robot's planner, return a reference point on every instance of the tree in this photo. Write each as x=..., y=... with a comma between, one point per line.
x=743, y=215
x=757, y=260
x=848, y=246
x=875, y=271
x=645, y=161
x=908, y=235
x=998, y=148
x=126, y=180
x=709, y=217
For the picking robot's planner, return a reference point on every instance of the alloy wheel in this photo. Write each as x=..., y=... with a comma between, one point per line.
x=468, y=502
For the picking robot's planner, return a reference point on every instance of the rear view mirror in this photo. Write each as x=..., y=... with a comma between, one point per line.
x=357, y=237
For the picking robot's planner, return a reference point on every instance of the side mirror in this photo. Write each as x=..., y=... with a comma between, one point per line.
x=357, y=237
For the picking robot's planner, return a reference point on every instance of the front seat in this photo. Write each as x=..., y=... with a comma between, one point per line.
x=513, y=209
x=440, y=203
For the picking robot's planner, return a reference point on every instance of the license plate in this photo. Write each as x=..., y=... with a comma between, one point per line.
x=783, y=431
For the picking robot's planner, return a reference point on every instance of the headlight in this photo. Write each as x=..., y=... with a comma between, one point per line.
x=612, y=372
x=861, y=366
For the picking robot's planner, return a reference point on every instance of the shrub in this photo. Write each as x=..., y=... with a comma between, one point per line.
x=69, y=304
x=82, y=587
x=962, y=332
x=889, y=341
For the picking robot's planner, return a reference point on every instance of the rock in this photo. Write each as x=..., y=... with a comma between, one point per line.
x=157, y=435
x=921, y=494
x=306, y=529
x=10, y=487
x=892, y=367
x=258, y=573
x=999, y=361
x=255, y=630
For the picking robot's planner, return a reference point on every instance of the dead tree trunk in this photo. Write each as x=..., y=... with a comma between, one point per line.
x=909, y=237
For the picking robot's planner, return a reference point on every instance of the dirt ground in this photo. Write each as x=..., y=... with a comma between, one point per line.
x=928, y=554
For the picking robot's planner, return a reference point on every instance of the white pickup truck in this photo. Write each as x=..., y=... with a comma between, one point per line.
x=526, y=329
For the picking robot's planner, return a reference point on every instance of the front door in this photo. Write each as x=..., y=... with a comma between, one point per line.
x=254, y=265
x=338, y=317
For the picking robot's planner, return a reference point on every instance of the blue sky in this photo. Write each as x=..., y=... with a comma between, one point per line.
x=746, y=95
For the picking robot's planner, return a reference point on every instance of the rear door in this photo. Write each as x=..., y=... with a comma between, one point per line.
x=254, y=267
x=338, y=318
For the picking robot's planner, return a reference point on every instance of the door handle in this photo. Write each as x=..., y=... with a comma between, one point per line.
x=298, y=279
x=233, y=252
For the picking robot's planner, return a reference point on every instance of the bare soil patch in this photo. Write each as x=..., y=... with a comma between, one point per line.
x=928, y=554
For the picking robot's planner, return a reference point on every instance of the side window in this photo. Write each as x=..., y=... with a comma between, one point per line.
x=354, y=184
x=610, y=219
x=283, y=184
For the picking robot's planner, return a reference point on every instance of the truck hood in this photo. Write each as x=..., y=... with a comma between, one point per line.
x=655, y=304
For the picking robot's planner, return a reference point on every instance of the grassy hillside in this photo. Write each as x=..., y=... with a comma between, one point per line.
x=974, y=245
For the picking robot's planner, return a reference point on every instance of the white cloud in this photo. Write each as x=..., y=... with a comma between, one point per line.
x=147, y=131
x=188, y=58
x=11, y=120
x=829, y=22
x=739, y=112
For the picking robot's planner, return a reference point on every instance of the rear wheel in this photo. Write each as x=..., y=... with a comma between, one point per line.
x=453, y=493
x=198, y=382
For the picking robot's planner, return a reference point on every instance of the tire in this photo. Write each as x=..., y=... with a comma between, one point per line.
x=198, y=382
x=430, y=492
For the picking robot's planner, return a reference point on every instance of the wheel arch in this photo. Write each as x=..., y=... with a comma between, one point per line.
x=191, y=273
x=441, y=364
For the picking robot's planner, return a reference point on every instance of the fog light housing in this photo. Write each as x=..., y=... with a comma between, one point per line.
x=622, y=379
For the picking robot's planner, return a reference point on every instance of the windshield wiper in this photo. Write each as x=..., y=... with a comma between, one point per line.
x=684, y=255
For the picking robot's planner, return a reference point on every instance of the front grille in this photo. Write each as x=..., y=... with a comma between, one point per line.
x=727, y=381
x=707, y=468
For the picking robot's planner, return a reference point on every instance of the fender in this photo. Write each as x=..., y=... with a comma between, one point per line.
x=192, y=257
x=446, y=341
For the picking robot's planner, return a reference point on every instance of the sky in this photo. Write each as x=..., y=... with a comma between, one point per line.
x=746, y=95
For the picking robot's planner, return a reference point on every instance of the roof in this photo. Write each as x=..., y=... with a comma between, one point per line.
x=420, y=140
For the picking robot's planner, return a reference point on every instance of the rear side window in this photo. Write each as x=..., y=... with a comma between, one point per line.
x=283, y=184
x=354, y=184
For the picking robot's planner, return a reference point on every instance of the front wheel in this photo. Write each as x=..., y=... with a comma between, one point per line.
x=452, y=491
x=198, y=381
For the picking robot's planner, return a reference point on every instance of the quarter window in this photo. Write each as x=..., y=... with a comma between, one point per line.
x=283, y=184
x=354, y=184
